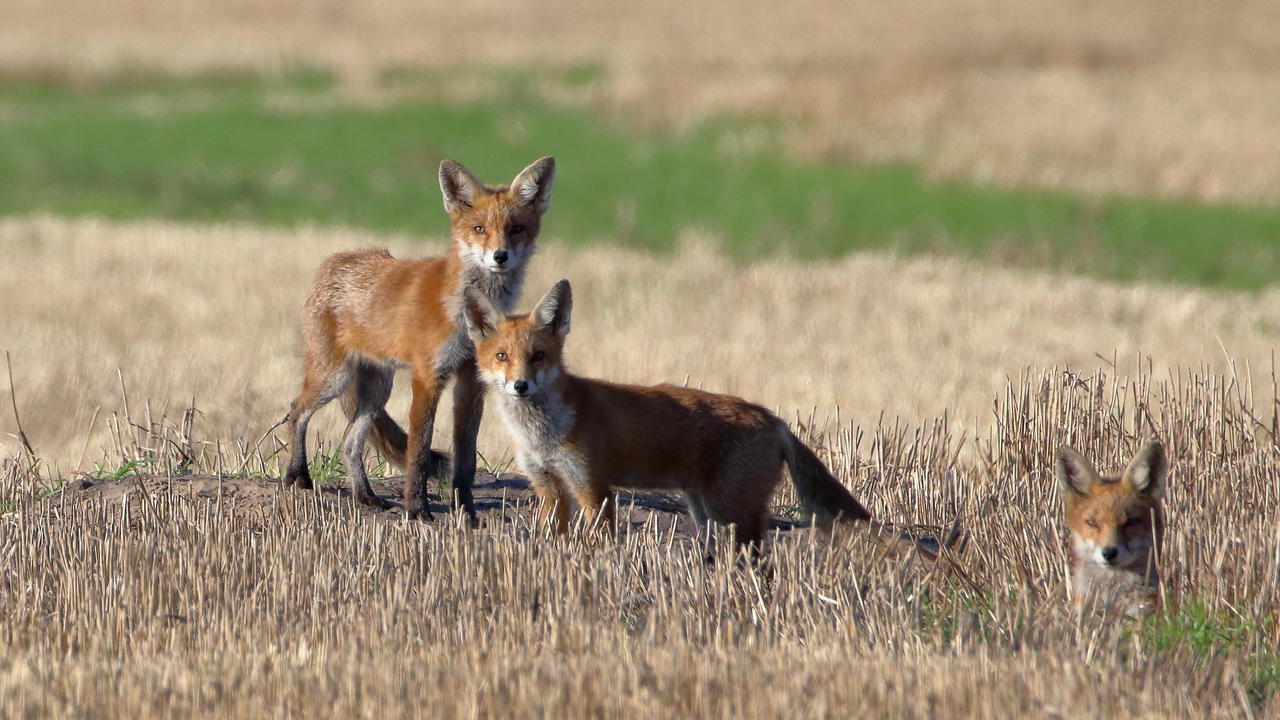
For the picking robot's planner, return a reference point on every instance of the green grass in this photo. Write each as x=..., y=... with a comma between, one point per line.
x=1194, y=627
x=288, y=151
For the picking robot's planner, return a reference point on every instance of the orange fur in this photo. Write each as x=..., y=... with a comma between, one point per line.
x=578, y=438
x=369, y=314
x=1116, y=528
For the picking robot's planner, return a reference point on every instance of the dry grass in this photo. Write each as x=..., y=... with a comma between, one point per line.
x=168, y=603
x=1145, y=97
x=209, y=315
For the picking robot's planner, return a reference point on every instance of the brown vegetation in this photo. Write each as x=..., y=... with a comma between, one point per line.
x=185, y=596
x=210, y=316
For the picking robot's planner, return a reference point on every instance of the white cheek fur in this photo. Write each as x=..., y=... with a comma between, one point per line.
x=1126, y=552
x=547, y=375
x=493, y=378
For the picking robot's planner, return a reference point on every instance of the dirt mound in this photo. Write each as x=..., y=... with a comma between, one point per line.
x=499, y=499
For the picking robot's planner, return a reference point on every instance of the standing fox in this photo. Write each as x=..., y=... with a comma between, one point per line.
x=1116, y=528
x=578, y=437
x=369, y=314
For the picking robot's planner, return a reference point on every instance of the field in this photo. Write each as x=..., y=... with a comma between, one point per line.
x=940, y=241
x=189, y=594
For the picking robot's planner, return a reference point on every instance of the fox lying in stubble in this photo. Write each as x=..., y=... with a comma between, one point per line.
x=1116, y=529
x=369, y=314
x=577, y=438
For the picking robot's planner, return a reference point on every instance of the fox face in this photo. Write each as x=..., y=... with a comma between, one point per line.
x=494, y=226
x=1114, y=522
x=520, y=356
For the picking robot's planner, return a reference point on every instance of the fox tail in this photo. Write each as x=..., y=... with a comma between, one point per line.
x=831, y=502
x=820, y=492
x=386, y=434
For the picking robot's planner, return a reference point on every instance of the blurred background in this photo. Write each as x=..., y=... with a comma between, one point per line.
x=870, y=209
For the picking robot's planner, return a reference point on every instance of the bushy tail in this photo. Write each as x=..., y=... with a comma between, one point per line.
x=831, y=502
x=819, y=491
x=928, y=540
x=386, y=434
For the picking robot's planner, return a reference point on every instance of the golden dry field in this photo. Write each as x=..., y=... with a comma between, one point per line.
x=1146, y=97
x=148, y=593
x=209, y=316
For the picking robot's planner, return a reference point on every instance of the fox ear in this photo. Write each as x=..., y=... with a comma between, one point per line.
x=552, y=311
x=481, y=315
x=459, y=187
x=1075, y=475
x=533, y=185
x=1146, y=472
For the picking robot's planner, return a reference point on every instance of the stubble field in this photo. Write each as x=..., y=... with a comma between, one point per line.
x=153, y=597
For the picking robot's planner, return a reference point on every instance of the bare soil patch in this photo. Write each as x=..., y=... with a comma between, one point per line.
x=499, y=499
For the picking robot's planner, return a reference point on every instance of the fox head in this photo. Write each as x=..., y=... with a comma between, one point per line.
x=495, y=226
x=520, y=355
x=1114, y=522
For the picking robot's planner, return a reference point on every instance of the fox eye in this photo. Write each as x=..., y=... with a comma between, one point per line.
x=517, y=229
x=501, y=357
x=537, y=355
x=479, y=229
x=1091, y=523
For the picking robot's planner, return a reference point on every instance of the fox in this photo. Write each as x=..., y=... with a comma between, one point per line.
x=578, y=437
x=369, y=314
x=1115, y=531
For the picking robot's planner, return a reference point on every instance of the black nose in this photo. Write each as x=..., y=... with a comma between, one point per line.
x=1109, y=553
x=500, y=256
x=520, y=386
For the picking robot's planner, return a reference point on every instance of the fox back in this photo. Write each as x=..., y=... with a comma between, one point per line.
x=579, y=437
x=1116, y=528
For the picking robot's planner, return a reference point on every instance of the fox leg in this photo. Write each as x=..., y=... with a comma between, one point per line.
x=595, y=499
x=697, y=508
x=698, y=511
x=320, y=385
x=373, y=389
x=422, y=462
x=554, y=508
x=597, y=509
x=747, y=515
x=468, y=405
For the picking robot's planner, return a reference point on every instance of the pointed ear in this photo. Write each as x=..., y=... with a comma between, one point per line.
x=533, y=185
x=459, y=187
x=1146, y=472
x=1075, y=475
x=481, y=315
x=552, y=311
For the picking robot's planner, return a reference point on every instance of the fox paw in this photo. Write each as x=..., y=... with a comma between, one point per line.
x=300, y=480
x=373, y=501
x=418, y=511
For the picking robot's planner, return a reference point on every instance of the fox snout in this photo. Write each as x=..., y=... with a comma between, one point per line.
x=521, y=388
x=518, y=388
x=502, y=259
x=1124, y=553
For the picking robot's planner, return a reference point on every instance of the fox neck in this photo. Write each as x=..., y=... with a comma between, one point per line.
x=1093, y=572
x=541, y=421
x=502, y=288
x=1132, y=588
